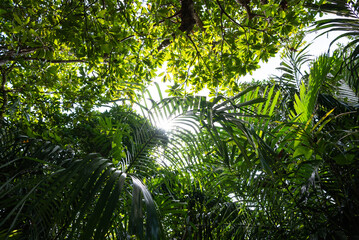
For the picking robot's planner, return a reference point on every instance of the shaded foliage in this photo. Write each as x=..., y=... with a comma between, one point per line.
x=269, y=161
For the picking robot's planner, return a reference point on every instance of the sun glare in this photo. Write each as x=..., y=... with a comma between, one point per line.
x=165, y=124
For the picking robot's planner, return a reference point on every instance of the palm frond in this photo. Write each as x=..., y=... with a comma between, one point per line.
x=213, y=138
x=346, y=94
x=338, y=7
x=349, y=25
x=291, y=66
x=305, y=102
x=67, y=196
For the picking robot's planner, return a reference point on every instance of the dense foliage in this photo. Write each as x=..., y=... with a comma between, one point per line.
x=60, y=55
x=276, y=159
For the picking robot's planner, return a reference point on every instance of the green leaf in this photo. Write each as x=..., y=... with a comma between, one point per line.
x=17, y=19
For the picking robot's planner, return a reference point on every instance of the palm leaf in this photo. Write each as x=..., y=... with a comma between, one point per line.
x=77, y=198
x=350, y=26
x=291, y=66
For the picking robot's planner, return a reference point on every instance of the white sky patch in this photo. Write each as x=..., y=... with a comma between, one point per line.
x=165, y=124
x=319, y=45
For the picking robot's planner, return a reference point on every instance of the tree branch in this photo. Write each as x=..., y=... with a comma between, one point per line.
x=232, y=20
x=10, y=59
x=164, y=19
x=124, y=39
x=55, y=60
x=187, y=16
x=4, y=93
x=11, y=55
x=225, y=13
x=235, y=22
x=198, y=53
x=244, y=3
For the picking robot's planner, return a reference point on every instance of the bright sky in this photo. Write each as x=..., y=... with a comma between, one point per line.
x=319, y=46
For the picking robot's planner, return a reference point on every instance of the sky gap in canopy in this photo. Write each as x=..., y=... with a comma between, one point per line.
x=318, y=46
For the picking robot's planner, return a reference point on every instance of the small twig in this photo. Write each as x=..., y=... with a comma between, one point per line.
x=188, y=70
x=198, y=53
x=232, y=20
x=54, y=60
x=124, y=39
x=166, y=18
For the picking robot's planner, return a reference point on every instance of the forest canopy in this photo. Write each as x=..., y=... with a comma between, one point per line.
x=57, y=55
x=275, y=159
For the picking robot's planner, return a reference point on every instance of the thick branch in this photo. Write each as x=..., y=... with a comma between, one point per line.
x=198, y=21
x=187, y=16
x=245, y=4
x=10, y=55
x=165, y=43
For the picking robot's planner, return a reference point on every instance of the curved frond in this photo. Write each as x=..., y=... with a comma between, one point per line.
x=65, y=196
x=291, y=66
x=350, y=28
